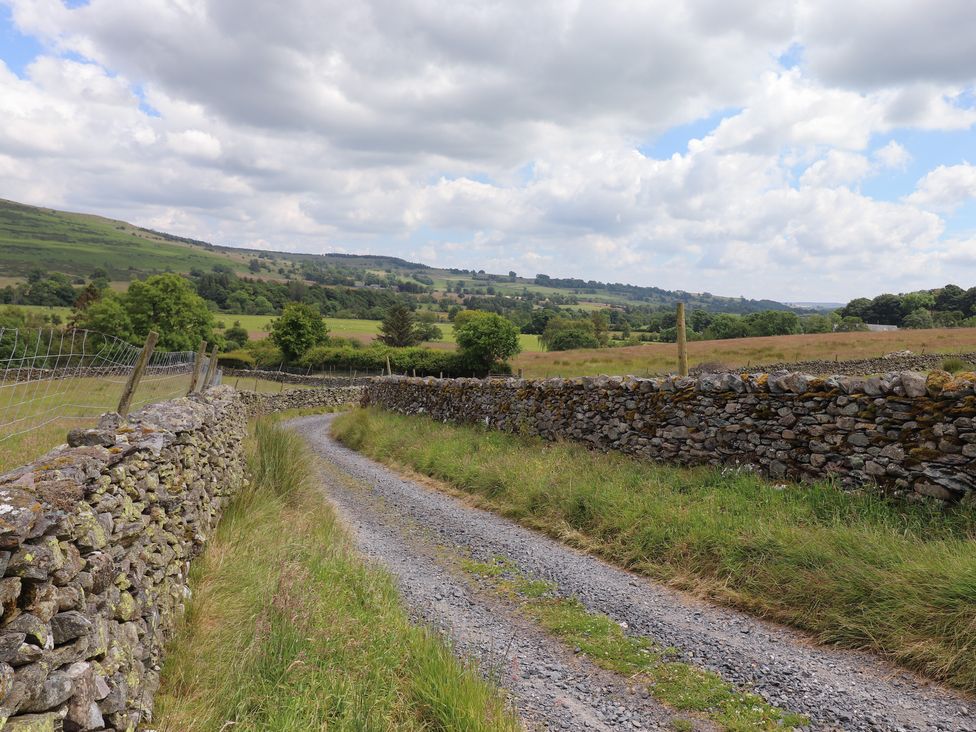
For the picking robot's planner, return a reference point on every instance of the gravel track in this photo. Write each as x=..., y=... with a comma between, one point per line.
x=419, y=533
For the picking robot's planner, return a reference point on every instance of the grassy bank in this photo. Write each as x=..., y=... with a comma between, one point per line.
x=854, y=570
x=289, y=630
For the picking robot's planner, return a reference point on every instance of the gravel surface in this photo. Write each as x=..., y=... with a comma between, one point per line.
x=418, y=533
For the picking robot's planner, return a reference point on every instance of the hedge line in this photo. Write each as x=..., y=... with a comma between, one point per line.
x=423, y=361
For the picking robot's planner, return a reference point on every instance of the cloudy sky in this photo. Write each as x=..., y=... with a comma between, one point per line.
x=806, y=150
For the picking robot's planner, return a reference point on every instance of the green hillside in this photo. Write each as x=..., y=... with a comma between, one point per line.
x=77, y=244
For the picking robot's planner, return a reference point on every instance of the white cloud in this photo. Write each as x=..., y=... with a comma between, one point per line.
x=839, y=168
x=945, y=188
x=893, y=155
x=505, y=135
x=195, y=143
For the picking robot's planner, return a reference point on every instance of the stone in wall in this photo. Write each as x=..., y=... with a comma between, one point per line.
x=905, y=432
x=300, y=399
x=95, y=546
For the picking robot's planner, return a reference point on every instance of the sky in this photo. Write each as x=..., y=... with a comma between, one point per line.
x=814, y=150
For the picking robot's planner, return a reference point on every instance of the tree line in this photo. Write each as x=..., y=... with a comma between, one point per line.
x=946, y=307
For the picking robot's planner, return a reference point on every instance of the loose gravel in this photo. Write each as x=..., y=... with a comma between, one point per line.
x=419, y=534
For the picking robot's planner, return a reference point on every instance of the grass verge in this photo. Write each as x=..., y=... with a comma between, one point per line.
x=290, y=631
x=855, y=570
x=680, y=685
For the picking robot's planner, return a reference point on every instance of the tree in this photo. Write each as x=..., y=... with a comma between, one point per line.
x=486, y=338
x=107, y=315
x=398, y=328
x=601, y=326
x=885, y=309
x=912, y=301
x=168, y=304
x=817, y=324
x=564, y=334
x=726, y=325
x=700, y=320
x=856, y=308
x=426, y=327
x=950, y=297
x=772, y=323
x=918, y=319
x=299, y=328
x=851, y=324
x=236, y=335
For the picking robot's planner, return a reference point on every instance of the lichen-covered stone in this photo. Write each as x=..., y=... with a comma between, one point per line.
x=95, y=546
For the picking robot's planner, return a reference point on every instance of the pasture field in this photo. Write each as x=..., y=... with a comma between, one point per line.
x=655, y=358
x=80, y=406
x=852, y=569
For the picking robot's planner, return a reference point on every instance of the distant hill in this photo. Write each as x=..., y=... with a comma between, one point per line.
x=79, y=244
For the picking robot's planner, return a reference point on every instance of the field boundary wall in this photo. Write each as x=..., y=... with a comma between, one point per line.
x=905, y=432
x=96, y=539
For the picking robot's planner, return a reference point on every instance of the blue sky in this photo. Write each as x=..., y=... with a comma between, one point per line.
x=796, y=157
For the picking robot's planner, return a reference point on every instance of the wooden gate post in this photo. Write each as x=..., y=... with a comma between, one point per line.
x=211, y=368
x=197, y=366
x=682, y=342
x=136, y=376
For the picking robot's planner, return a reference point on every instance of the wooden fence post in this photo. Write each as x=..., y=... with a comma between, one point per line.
x=197, y=366
x=211, y=368
x=682, y=342
x=389, y=369
x=133, y=382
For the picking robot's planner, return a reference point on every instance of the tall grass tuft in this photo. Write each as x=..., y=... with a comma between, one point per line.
x=955, y=365
x=856, y=570
x=289, y=630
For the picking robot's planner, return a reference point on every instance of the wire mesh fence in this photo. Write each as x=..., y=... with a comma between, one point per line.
x=51, y=378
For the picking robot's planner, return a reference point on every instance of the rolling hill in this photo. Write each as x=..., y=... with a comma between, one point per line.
x=78, y=244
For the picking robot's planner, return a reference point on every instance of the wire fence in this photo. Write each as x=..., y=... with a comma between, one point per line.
x=50, y=376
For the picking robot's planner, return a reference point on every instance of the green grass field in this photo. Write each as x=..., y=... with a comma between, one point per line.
x=857, y=570
x=50, y=410
x=290, y=630
x=362, y=330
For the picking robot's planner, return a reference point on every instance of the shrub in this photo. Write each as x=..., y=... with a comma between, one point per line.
x=236, y=359
x=265, y=353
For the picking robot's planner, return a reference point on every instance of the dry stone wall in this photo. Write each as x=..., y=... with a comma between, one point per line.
x=904, y=432
x=892, y=362
x=96, y=539
x=95, y=544
x=301, y=398
x=240, y=376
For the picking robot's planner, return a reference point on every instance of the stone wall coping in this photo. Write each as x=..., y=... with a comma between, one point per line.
x=911, y=384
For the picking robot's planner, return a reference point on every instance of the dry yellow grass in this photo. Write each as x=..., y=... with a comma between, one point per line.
x=662, y=357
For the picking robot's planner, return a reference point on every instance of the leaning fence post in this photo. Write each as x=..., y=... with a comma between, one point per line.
x=211, y=368
x=197, y=365
x=133, y=383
